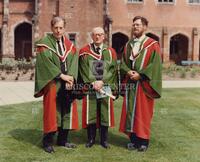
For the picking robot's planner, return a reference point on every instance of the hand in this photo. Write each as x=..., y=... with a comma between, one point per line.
x=130, y=73
x=97, y=85
x=69, y=79
x=68, y=86
x=135, y=76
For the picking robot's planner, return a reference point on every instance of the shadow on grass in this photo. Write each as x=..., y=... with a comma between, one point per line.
x=117, y=140
x=80, y=137
x=32, y=136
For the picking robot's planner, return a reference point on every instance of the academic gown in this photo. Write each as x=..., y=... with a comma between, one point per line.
x=138, y=101
x=47, y=83
x=90, y=114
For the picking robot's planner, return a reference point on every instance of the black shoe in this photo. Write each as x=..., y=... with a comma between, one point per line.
x=49, y=149
x=89, y=143
x=70, y=145
x=67, y=145
x=142, y=148
x=105, y=145
x=131, y=146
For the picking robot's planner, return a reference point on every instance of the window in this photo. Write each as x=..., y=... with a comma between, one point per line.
x=134, y=1
x=166, y=1
x=194, y=1
x=72, y=37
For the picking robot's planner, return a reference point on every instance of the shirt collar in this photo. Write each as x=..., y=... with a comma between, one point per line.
x=140, y=39
x=101, y=46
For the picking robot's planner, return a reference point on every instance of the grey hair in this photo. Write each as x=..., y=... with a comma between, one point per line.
x=57, y=19
x=98, y=30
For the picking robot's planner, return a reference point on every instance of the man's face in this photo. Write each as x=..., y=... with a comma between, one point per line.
x=58, y=29
x=98, y=38
x=138, y=28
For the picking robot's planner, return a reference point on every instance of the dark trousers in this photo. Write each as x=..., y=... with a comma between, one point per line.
x=103, y=130
x=61, y=138
x=91, y=132
x=48, y=139
x=62, y=97
x=138, y=141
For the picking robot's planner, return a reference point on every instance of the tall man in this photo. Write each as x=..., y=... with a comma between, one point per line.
x=141, y=66
x=98, y=70
x=55, y=73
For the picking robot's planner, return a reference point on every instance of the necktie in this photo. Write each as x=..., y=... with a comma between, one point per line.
x=62, y=64
x=98, y=66
x=98, y=50
x=59, y=48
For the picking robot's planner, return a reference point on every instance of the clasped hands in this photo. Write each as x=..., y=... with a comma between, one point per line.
x=97, y=85
x=69, y=81
x=133, y=75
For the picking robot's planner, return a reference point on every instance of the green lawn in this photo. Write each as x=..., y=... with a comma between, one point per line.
x=175, y=135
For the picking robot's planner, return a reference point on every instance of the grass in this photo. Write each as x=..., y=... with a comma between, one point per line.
x=175, y=134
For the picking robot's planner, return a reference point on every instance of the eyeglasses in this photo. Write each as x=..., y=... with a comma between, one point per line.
x=98, y=34
x=137, y=25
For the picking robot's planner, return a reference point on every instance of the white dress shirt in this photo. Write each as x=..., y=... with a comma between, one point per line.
x=136, y=48
x=101, y=48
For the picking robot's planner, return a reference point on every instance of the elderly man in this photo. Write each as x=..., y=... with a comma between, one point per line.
x=98, y=70
x=141, y=66
x=55, y=73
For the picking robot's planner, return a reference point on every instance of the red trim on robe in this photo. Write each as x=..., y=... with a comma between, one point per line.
x=144, y=105
x=143, y=114
x=114, y=54
x=148, y=41
x=49, y=108
x=69, y=48
x=74, y=115
x=87, y=51
x=150, y=91
x=68, y=45
x=84, y=113
x=40, y=49
x=123, y=116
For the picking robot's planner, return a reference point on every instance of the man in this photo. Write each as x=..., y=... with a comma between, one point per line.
x=55, y=74
x=98, y=70
x=141, y=66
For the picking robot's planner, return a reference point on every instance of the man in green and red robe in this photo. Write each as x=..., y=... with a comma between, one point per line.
x=98, y=70
x=55, y=74
x=141, y=67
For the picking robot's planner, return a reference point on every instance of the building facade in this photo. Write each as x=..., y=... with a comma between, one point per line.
x=174, y=23
x=22, y=22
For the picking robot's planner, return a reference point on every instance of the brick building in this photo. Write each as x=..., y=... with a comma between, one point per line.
x=24, y=21
x=174, y=23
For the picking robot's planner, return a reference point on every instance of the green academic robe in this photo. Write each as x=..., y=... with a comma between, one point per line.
x=87, y=57
x=137, y=110
x=48, y=68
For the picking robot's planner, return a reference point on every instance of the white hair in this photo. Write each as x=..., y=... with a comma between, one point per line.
x=98, y=30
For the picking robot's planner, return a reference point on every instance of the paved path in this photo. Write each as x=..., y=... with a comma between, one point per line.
x=16, y=92
x=19, y=92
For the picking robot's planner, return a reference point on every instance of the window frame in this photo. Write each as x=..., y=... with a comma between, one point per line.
x=193, y=3
x=166, y=3
x=75, y=37
x=135, y=2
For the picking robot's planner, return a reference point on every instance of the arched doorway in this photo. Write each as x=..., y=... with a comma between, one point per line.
x=1, y=54
x=178, y=48
x=23, y=41
x=118, y=42
x=153, y=36
x=199, y=49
